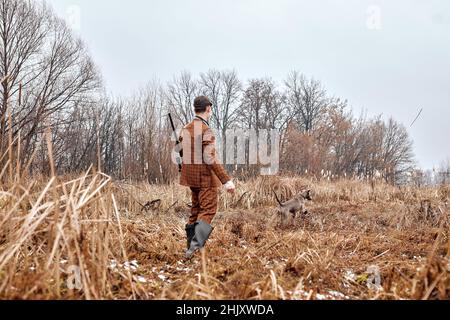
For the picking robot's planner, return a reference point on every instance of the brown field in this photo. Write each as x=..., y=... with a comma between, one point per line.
x=52, y=228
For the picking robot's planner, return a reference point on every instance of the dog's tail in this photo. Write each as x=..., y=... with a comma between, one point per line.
x=276, y=197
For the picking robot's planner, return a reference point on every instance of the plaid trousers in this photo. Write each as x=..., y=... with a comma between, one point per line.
x=204, y=204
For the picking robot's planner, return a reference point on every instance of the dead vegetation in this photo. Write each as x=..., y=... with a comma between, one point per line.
x=92, y=234
x=86, y=236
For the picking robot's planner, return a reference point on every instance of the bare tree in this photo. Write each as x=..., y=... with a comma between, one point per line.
x=181, y=93
x=397, y=151
x=47, y=69
x=307, y=99
x=442, y=173
x=338, y=132
x=223, y=88
x=263, y=106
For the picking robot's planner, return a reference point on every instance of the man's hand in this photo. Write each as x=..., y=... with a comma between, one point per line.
x=230, y=187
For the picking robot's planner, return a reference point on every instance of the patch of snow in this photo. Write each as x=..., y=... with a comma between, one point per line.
x=331, y=295
x=350, y=275
x=299, y=294
x=182, y=269
x=320, y=296
x=127, y=265
x=113, y=264
x=162, y=277
x=338, y=294
x=140, y=279
x=133, y=265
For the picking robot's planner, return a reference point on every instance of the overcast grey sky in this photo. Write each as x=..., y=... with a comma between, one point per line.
x=386, y=57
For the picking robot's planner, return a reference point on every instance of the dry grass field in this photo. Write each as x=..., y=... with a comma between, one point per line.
x=90, y=238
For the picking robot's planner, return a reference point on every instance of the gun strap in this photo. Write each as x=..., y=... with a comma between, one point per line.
x=203, y=120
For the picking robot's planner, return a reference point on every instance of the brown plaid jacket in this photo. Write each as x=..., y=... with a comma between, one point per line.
x=200, y=168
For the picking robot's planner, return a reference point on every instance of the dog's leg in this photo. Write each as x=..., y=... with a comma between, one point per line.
x=284, y=217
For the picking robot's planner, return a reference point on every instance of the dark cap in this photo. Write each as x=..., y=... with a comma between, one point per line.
x=201, y=103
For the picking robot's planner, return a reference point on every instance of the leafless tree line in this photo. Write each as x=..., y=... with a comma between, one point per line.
x=46, y=76
x=50, y=82
x=437, y=176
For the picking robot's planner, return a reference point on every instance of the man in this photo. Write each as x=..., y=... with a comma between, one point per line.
x=202, y=172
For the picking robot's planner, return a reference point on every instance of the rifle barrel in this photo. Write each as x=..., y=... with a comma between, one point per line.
x=177, y=142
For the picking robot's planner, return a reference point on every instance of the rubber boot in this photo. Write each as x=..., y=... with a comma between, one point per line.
x=202, y=233
x=190, y=232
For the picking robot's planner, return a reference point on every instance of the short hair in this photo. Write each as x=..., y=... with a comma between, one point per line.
x=201, y=103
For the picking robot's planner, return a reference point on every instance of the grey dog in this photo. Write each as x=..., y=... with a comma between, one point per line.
x=296, y=205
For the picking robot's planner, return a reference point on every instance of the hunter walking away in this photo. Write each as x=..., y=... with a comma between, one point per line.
x=202, y=173
x=312, y=159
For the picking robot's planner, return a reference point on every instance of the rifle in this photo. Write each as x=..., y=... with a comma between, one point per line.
x=177, y=144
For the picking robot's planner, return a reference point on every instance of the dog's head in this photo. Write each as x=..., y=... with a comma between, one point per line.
x=306, y=194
